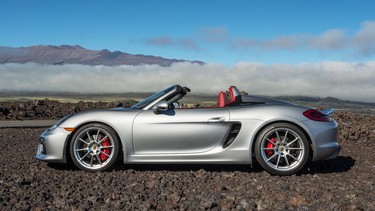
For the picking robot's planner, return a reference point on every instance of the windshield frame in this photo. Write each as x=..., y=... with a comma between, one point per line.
x=153, y=99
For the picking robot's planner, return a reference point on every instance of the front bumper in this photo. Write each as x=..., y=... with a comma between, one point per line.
x=52, y=145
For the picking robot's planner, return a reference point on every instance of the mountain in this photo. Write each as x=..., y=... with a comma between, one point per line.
x=330, y=102
x=68, y=54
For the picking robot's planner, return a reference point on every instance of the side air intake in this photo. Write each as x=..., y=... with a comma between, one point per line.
x=234, y=130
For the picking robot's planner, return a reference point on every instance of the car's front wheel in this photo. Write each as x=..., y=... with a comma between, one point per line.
x=94, y=147
x=282, y=149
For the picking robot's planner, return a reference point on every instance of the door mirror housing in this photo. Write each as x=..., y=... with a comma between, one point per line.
x=160, y=106
x=176, y=105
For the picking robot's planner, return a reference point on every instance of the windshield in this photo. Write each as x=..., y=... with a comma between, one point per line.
x=152, y=98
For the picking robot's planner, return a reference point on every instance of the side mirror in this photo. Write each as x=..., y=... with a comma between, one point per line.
x=160, y=106
x=176, y=105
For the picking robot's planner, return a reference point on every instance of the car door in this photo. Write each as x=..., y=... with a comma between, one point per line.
x=179, y=131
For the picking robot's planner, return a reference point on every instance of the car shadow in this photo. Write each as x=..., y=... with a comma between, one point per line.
x=63, y=166
x=191, y=167
x=340, y=164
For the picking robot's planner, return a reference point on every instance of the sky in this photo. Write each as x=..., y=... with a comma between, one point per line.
x=320, y=48
x=213, y=31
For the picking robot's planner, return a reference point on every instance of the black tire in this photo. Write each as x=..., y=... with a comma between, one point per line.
x=282, y=149
x=95, y=147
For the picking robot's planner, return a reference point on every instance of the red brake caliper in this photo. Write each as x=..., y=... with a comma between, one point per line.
x=270, y=145
x=106, y=143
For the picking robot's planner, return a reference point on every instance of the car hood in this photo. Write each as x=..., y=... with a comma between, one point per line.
x=109, y=116
x=120, y=109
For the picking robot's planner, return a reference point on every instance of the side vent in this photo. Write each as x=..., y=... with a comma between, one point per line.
x=234, y=130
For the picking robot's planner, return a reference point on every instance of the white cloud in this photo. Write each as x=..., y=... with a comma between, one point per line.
x=160, y=41
x=364, y=39
x=360, y=43
x=350, y=81
x=214, y=34
x=332, y=39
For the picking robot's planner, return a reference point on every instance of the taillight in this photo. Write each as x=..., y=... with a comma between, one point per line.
x=317, y=116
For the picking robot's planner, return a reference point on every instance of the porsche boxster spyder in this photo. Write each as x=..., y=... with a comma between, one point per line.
x=240, y=129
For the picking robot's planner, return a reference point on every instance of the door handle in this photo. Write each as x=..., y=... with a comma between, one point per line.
x=216, y=120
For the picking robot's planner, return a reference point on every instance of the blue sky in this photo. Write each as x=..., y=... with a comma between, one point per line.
x=220, y=32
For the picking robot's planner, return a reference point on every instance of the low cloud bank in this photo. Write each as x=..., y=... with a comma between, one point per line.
x=349, y=81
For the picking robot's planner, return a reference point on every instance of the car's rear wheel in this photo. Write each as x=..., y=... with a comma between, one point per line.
x=282, y=149
x=94, y=147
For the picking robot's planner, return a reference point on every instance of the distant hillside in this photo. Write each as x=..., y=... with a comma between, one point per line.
x=67, y=54
x=202, y=99
x=330, y=102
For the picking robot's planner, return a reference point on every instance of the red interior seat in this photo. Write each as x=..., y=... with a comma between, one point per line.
x=233, y=92
x=221, y=100
x=228, y=97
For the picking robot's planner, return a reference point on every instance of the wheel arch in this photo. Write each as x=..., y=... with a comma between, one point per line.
x=259, y=131
x=67, y=155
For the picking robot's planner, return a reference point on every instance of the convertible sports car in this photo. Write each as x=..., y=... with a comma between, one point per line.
x=282, y=137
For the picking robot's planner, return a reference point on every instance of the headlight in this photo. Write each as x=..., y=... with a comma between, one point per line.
x=58, y=123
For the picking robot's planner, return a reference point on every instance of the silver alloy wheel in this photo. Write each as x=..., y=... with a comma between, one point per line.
x=283, y=149
x=93, y=148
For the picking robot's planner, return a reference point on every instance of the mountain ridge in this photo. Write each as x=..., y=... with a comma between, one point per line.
x=75, y=54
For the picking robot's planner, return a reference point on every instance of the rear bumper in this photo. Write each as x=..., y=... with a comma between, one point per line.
x=324, y=137
x=335, y=154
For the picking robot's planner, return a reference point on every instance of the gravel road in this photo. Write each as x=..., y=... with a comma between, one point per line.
x=345, y=183
x=27, y=124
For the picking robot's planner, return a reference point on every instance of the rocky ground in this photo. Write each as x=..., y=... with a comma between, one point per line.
x=345, y=183
x=49, y=109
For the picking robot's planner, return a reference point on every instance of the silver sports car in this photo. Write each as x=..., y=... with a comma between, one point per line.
x=280, y=136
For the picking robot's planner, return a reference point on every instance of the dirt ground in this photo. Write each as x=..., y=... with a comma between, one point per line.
x=345, y=183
